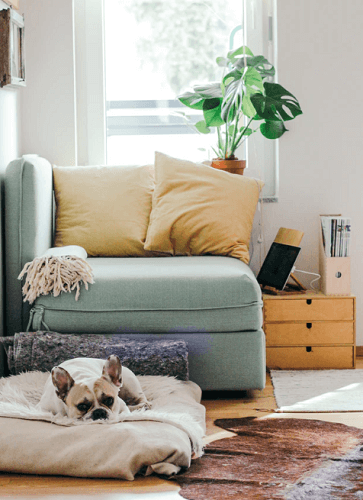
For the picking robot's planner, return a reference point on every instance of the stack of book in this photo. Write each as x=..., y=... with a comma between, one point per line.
x=336, y=235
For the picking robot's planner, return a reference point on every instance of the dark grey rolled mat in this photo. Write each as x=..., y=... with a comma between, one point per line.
x=42, y=350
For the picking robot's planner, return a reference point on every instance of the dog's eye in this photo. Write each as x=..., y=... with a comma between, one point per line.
x=84, y=407
x=108, y=401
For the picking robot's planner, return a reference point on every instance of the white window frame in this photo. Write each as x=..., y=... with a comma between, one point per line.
x=90, y=101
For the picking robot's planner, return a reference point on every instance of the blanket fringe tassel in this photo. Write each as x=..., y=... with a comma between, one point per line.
x=55, y=274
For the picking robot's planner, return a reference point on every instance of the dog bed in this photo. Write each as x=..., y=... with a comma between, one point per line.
x=162, y=440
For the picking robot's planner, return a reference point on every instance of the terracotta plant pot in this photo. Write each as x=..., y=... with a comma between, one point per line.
x=231, y=166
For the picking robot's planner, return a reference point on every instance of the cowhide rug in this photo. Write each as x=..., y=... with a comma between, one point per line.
x=278, y=459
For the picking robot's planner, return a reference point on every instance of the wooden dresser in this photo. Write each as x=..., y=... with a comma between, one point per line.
x=309, y=331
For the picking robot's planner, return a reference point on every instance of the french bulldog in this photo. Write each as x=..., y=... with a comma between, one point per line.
x=92, y=389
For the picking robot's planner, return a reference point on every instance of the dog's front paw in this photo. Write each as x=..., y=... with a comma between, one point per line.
x=148, y=405
x=145, y=405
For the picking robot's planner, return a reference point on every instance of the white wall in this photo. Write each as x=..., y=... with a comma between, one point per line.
x=9, y=126
x=48, y=116
x=319, y=48
x=319, y=54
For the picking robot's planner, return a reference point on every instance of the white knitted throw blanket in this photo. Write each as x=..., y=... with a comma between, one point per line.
x=61, y=269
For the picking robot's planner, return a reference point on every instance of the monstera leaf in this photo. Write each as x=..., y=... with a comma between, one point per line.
x=234, y=55
x=239, y=86
x=273, y=129
x=195, y=99
x=201, y=126
x=209, y=90
x=275, y=102
x=192, y=100
x=260, y=63
x=212, y=112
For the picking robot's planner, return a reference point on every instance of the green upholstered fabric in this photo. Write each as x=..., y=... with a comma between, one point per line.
x=161, y=294
x=28, y=227
x=223, y=361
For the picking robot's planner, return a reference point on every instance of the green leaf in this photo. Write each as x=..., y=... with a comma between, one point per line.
x=192, y=100
x=260, y=63
x=212, y=112
x=233, y=55
x=232, y=76
x=232, y=100
x=248, y=131
x=275, y=103
x=253, y=80
x=239, y=87
x=273, y=129
x=247, y=106
x=196, y=99
x=208, y=90
x=202, y=127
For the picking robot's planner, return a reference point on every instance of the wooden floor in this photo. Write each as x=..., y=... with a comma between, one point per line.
x=254, y=403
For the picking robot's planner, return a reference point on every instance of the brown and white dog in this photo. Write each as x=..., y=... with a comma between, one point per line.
x=92, y=389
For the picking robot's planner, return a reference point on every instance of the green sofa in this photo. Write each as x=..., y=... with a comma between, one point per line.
x=212, y=302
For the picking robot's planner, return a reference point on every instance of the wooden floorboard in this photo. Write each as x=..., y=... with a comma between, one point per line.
x=237, y=405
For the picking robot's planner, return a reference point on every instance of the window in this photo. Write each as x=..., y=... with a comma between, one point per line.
x=153, y=51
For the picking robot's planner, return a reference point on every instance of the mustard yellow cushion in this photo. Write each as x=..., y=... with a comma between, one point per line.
x=104, y=209
x=198, y=210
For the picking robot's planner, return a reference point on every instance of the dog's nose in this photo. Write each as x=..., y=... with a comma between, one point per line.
x=99, y=414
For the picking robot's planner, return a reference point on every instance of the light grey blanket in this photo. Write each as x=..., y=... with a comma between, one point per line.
x=28, y=351
x=162, y=440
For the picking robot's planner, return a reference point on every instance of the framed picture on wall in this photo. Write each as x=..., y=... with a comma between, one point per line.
x=12, y=54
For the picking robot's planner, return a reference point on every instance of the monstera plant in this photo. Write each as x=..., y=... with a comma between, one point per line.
x=242, y=99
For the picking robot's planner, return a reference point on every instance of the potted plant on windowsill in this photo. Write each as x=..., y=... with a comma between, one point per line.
x=241, y=98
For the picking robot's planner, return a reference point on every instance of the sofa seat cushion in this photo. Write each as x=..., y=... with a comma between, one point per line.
x=164, y=294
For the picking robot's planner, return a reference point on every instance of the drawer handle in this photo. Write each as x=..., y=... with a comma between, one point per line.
x=308, y=349
x=309, y=325
x=308, y=301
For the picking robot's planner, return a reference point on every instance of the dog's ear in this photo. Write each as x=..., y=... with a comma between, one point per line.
x=62, y=381
x=112, y=370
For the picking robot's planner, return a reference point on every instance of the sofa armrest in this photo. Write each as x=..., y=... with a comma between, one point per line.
x=28, y=227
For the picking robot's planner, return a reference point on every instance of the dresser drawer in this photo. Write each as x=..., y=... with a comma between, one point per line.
x=308, y=334
x=309, y=310
x=312, y=357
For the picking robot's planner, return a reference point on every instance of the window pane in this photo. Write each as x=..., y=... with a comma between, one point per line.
x=156, y=49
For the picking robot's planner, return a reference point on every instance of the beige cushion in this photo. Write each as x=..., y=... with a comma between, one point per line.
x=104, y=209
x=201, y=210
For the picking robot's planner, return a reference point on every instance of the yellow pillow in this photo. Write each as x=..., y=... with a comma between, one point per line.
x=198, y=210
x=104, y=209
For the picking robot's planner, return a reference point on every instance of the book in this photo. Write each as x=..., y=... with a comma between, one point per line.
x=336, y=235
